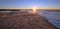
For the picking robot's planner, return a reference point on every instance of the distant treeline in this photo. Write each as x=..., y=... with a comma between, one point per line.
x=9, y=10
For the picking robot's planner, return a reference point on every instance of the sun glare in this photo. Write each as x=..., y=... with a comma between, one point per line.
x=34, y=10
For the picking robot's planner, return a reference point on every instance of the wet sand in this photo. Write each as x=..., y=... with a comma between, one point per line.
x=23, y=21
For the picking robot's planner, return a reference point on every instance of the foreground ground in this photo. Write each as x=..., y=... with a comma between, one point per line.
x=23, y=21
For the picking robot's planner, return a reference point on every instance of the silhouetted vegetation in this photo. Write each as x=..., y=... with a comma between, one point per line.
x=9, y=10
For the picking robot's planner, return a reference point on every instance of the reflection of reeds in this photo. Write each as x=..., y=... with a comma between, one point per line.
x=24, y=21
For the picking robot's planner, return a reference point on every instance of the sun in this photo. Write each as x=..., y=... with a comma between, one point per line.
x=34, y=10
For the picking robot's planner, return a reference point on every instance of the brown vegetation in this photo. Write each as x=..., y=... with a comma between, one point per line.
x=24, y=21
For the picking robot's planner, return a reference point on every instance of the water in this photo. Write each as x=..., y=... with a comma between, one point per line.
x=52, y=17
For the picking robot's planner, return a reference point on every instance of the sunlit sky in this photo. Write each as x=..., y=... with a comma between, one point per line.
x=41, y=4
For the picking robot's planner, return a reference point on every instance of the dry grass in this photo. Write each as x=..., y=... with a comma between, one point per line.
x=24, y=21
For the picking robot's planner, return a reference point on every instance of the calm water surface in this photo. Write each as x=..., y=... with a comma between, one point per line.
x=52, y=17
